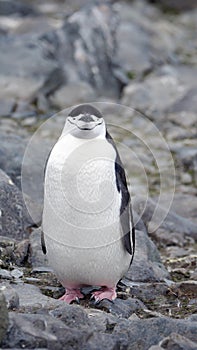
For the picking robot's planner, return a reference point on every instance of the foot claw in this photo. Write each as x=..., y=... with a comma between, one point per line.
x=104, y=293
x=72, y=295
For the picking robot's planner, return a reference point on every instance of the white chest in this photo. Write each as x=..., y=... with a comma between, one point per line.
x=81, y=196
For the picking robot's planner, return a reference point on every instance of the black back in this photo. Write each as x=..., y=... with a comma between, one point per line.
x=126, y=217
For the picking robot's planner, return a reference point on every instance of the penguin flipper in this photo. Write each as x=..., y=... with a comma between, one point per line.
x=43, y=245
x=126, y=217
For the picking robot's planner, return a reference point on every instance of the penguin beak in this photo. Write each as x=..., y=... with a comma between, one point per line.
x=86, y=121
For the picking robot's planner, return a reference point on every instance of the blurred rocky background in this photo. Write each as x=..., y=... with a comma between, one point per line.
x=143, y=55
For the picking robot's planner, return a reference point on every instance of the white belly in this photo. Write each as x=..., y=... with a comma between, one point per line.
x=81, y=213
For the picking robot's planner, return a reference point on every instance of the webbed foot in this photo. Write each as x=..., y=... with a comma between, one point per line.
x=72, y=295
x=104, y=293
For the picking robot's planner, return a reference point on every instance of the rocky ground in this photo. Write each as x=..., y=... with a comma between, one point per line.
x=140, y=59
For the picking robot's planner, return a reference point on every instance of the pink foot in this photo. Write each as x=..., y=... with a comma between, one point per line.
x=72, y=295
x=105, y=293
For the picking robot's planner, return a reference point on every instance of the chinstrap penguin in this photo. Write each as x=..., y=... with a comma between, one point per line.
x=88, y=231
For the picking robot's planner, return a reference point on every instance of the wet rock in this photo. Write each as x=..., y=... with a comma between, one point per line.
x=14, y=218
x=3, y=317
x=147, y=265
x=37, y=257
x=177, y=342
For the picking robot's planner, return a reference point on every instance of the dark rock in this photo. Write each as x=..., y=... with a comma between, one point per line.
x=10, y=7
x=177, y=342
x=71, y=315
x=14, y=219
x=142, y=334
x=121, y=308
x=173, y=5
x=21, y=252
x=43, y=331
x=147, y=265
x=3, y=317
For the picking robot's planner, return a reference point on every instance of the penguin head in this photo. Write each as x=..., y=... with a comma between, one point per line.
x=85, y=121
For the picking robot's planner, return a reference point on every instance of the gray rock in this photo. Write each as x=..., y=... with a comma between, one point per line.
x=147, y=265
x=3, y=317
x=83, y=50
x=37, y=257
x=186, y=103
x=177, y=342
x=14, y=218
x=11, y=296
x=31, y=298
x=6, y=107
x=120, y=307
x=10, y=7
x=72, y=94
x=171, y=223
x=153, y=331
x=154, y=95
x=187, y=210
x=30, y=72
x=188, y=157
x=20, y=253
x=43, y=331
